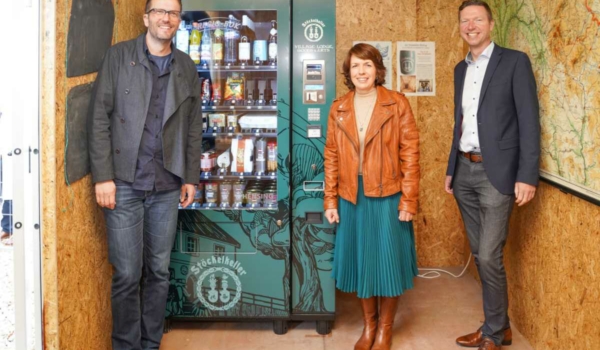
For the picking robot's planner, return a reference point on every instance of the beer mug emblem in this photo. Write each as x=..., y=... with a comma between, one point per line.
x=407, y=62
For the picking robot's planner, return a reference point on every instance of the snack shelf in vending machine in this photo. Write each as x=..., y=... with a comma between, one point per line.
x=243, y=249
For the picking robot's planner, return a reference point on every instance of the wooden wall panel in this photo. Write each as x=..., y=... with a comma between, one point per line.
x=440, y=236
x=553, y=267
x=74, y=226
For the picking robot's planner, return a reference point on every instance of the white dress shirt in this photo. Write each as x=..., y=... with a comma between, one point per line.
x=469, y=140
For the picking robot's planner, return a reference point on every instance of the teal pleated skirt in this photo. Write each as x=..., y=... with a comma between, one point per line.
x=374, y=251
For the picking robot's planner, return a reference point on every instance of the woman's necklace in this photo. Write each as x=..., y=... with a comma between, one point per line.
x=361, y=121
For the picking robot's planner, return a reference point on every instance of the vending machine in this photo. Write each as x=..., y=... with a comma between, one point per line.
x=253, y=245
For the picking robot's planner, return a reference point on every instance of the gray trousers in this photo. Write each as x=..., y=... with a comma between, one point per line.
x=486, y=213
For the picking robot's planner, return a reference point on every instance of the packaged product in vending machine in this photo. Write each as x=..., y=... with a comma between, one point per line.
x=232, y=122
x=199, y=195
x=261, y=157
x=195, y=43
x=216, y=92
x=231, y=39
x=217, y=48
x=238, y=194
x=260, y=52
x=216, y=122
x=249, y=156
x=237, y=152
x=245, y=45
x=206, y=47
x=206, y=91
x=234, y=87
x=226, y=191
x=224, y=161
x=208, y=161
x=182, y=38
x=272, y=157
x=211, y=193
x=273, y=43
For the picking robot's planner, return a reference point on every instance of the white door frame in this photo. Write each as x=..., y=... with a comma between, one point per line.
x=25, y=82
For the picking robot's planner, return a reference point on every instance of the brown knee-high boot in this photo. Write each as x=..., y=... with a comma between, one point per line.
x=369, y=310
x=387, y=312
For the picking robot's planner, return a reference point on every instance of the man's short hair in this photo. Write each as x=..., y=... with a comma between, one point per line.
x=468, y=3
x=149, y=2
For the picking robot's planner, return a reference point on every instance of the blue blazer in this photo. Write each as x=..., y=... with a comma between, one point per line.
x=507, y=118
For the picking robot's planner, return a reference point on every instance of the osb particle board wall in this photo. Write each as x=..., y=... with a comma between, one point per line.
x=439, y=235
x=77, y=273
x=553, y=267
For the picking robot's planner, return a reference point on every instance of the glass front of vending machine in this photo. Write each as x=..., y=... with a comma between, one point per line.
x=231, y=257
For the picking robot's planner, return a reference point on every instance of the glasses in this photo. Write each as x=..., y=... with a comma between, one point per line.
x=161, y=13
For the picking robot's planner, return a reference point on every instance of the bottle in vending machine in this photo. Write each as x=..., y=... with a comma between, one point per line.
x=216, y=92
x=206, y=47
x=273, y=43
x=195, y=43
x=260, y=52
x=231, y=42
x=245, y=45
x=268, y=92
x=183, y=38
x=272, y=157
x=217, y=48
x=256, y=93
x=261, y=157
x=206, y=91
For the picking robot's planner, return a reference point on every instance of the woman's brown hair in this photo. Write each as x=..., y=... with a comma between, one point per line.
x=364, y=52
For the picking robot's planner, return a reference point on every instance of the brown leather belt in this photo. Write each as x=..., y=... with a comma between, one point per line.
x=473, y=157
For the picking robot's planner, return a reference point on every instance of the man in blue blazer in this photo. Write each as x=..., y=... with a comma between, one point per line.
x=494, y=160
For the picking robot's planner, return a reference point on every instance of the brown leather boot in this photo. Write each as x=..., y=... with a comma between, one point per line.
x=473, y=340
x=488, y=344
x=387, y=312
x=369, y=311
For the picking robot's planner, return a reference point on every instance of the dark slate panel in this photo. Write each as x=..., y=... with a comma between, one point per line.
x=90, y=35
x=77, y=157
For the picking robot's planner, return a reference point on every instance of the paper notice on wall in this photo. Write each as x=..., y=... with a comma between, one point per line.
x=385, y=48
x=416, y=68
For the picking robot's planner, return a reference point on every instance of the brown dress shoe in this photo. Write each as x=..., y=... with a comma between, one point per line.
x=488, y=344
x=387, y=312
x=473, y=340
x=369, y=310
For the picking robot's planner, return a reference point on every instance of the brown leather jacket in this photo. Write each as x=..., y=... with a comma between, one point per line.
x=391, y=154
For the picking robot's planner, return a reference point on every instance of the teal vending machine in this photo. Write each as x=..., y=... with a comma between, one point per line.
x=253, y=246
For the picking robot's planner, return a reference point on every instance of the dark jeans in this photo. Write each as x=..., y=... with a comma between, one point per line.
x=141, y=231
x=7, y=216
x=486, y=213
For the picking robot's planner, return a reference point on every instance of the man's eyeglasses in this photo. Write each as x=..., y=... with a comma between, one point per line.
x=161, y=13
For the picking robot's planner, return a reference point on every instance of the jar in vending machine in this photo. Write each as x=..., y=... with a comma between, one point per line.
x=208, y=161
x=238, y=194
x=270, y=196
x=198, y=196
x=254, y=197
x=211, y=193
x=226, y=189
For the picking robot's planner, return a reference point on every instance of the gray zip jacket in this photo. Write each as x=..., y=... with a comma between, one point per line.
x=118, y=110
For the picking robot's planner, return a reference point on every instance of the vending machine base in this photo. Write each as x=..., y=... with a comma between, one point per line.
x=324, y=323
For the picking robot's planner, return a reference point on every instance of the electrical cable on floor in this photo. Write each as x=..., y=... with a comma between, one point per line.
x=435, y=273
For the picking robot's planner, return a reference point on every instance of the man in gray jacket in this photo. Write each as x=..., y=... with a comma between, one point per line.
x=145, y=136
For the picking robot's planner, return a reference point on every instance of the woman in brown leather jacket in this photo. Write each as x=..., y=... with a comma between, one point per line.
x=371, y=190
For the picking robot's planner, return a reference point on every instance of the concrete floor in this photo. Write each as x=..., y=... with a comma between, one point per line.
x=430, y=316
